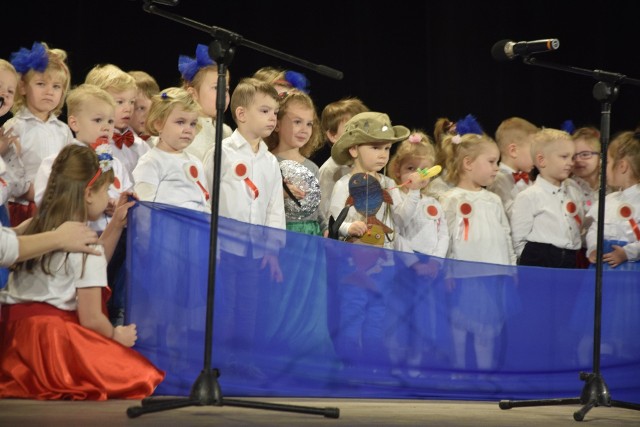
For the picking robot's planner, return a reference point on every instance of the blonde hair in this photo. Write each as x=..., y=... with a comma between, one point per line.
x=165, y=102
x=110, y=77
x=336, y=112
x=56, y=66
x=145, y=83
x=626, y=145
x=272, y=75
x=514, y=130
x=468, y=145
x=81, y=95
x=245, y=92
x=64, y=197
x=590, y=135
x=544, y=138
x=411, y=148
x=292, y=97
x=198, y=79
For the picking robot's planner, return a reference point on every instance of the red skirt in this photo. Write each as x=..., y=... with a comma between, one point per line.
x=19, y=212
x=46, y=354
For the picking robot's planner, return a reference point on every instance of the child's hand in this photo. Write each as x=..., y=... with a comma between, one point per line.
x=296, y=191
x=125, y=335
x=428, y=269
x=592, y=257
x=416, y=181
x=122, y=208
x=6, y=139
x=357, y=229
x=274, y=267
x=616, y=257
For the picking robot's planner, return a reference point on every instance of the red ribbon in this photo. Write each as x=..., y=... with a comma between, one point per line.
x=572, y=209
x=627, y=213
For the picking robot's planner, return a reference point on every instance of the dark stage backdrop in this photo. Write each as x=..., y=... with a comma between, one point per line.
x=415, y=62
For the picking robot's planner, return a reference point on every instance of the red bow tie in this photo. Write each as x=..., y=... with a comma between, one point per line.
x=101, y=140
x=145, y=137
x=123, y=139
x=521, y=176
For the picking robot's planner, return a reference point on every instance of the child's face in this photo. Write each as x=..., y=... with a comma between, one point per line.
x=94, y=120
x=140, y=112
x=334, y=137
x=370, y=157
x=586, y=161
x=524, y=162
x=259, y=119
x=483, y=169
x=295, y=127
x=556, y=162
x=43, y=93
x=97, y=200
x=411, y=165
x=125, y=103
x=8, y=85
x=207, y=94
x=178, y=130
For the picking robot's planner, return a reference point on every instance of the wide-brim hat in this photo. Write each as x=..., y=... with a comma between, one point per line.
x=366, y=128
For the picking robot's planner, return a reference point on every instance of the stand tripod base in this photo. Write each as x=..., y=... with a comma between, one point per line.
x=206, y=392
x=595, y=393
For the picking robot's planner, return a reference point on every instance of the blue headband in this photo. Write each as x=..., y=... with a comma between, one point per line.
x=189, y=66
x=25, y=59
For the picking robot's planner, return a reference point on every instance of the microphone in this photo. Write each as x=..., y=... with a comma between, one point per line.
x=506, y=50
x=163, y=2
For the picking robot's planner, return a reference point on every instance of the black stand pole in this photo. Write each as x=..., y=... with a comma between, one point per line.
x=206, y=389
x=595, y=392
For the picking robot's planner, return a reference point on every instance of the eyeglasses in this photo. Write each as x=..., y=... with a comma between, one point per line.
x=584, y=155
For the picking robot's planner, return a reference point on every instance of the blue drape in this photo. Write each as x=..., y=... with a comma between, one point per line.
x=342, y=324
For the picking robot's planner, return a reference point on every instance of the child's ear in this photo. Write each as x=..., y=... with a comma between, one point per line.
x=158, y=125
x=353, y=151
x=539, y=163
x=466, y=163
x=332, y=137
x=240, y=114
x=512, y=149
x=193, y=92
x=72, y=121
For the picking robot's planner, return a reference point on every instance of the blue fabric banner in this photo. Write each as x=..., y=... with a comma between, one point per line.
x=357, y=321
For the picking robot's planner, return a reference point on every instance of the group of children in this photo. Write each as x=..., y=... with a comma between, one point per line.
x=125, y=136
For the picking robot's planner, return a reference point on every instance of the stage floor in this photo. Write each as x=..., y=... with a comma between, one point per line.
x=353, y=412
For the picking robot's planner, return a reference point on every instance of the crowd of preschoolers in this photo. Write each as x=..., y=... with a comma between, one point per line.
x=529, y=196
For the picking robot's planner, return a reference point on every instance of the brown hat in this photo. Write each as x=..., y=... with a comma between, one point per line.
x=366, y=128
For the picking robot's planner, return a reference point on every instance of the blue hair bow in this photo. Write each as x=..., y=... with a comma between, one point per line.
x=568, y=127
x=189, y=66
x=26, y=59
x=468, y=125
x=297, y=80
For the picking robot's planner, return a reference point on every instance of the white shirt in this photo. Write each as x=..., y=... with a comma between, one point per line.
x=615, y=226
x=241, y=170
x=129, y=156
x=545, y=213
x=330, y=172
x=438, y=186
x=206, y=137
x=175, y=179
x=38, y=139
x=506, y=187
x=478, y=227
x=9, y=247
x=121, y=183
x=58, y=290
x=426, y=230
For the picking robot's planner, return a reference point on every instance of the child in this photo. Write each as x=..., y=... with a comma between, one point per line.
x=52, y=305
x=373, y=209
x=295, y=138
x=90, y=115
x=514, y=141
x=334, y=117
x=547, y=218
x=8, y=86
x=200, y=79
x=479, y=231
x=147, y=88
x=283, y=80
x=250, y=191
x=426, y=233
x=621, y=248
x=167, y=173
x=441, y=130
x=586, y=164
x=125, y=144
x=44, y=82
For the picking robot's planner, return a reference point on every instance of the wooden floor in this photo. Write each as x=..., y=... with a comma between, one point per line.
x=353, y=412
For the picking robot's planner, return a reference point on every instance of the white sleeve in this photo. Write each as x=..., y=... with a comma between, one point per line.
x=146, y=192
x=9, y=247
x=521, y=221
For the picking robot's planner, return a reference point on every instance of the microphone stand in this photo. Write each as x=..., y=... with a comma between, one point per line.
x=595, y=392
x=206, y=389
